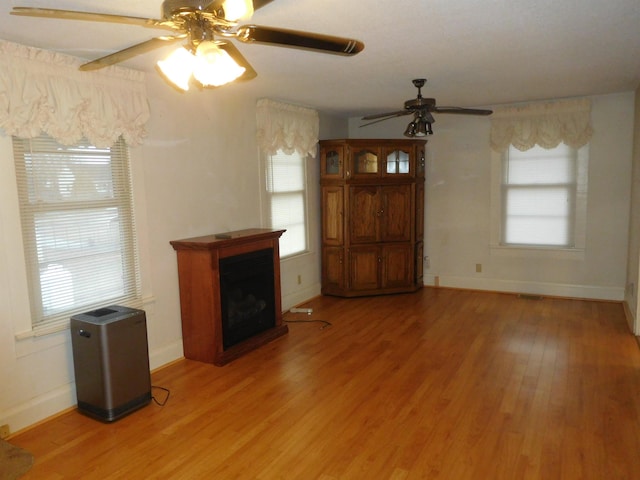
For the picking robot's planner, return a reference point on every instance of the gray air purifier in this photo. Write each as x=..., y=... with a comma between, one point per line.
x=111, y=361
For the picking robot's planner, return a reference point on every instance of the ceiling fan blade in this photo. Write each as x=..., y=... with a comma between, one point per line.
x=89, y=16
x=298, y=39
x=260, y=3
x=234, y=53
x=129, y=52
x=388, y=114
x=463, y=111
x=382, y=119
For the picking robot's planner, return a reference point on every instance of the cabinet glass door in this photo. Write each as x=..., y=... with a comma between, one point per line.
x=398, y=162
x=333, y=162
x=331, y=158
x=365, y=161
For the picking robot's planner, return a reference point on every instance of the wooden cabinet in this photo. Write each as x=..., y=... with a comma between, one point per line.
x=372, y=216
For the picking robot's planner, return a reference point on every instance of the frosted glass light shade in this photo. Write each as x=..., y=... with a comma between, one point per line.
x=177, y=67
x=214, y=66
x=237, y=9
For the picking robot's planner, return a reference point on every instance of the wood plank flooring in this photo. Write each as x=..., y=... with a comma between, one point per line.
x=440, y=384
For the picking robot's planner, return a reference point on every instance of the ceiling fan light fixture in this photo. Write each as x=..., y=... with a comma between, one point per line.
x=419, y=127
x=422, y=108
x=411, y=129
x=201, y=21
x=422, y=130
x=235, y=10
x=177, y=68
x=214, y=66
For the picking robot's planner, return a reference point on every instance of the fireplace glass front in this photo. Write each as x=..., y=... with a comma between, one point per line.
x=247, y=295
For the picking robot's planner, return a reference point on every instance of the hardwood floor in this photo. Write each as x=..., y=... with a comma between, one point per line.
x=441, y=384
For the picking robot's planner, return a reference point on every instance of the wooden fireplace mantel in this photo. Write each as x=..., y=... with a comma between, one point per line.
x=200, y=302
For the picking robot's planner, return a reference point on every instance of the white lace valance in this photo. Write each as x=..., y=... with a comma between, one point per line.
x=544, y=124
x=43, y=91
x=286, y=127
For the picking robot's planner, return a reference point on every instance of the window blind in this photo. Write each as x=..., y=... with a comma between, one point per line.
x=77, y=219
x=539, y=191
x=286, y=190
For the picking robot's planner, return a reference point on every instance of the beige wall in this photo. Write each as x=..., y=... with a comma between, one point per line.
x=459, y=209
x=197, y=173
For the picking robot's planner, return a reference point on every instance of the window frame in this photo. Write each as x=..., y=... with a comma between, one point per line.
x=575, y=249
x=268, y=195
x=122, y=200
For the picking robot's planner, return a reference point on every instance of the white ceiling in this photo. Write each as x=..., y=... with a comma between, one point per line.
x=473, y=53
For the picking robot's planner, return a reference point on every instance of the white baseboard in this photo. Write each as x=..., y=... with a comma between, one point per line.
x=63, y=398
x=40, y=408
x=300, y=296
x=166, y=354
x=538, y=288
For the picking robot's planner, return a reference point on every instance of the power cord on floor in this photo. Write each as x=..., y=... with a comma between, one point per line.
x=166, y=399
x=325, y=324
x=308, y=311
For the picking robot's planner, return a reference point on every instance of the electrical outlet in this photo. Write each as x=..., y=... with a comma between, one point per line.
x=299, y=279
x=478, y=268
x=4, y=431
x=427, y=262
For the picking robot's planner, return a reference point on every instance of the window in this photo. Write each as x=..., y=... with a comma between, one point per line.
x=543, y=197
x=286, y=180
x=77, y=223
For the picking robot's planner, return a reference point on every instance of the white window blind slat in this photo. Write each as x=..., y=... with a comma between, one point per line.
x=539, y=195
x=78, y=227
x=286, y=192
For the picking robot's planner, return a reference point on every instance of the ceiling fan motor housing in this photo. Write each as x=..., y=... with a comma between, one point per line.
x=171, y=8
x=420, y=102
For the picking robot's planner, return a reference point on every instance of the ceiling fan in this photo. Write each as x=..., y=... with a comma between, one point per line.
x=422, y=108
x=205, y=26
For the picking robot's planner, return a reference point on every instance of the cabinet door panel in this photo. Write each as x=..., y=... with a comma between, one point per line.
x=333, y=274
x=332, y=215
x=364, y=212
x=419, y=211
x=419, y=276
x=397, y=266
x=364, y=268
x=395, y=219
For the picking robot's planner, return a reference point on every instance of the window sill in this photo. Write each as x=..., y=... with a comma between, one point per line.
x=537, y=252
x=49, y=336
x=45, y=330
x=295, y=256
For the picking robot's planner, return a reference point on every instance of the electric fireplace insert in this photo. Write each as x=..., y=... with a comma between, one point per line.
x=247, y=294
